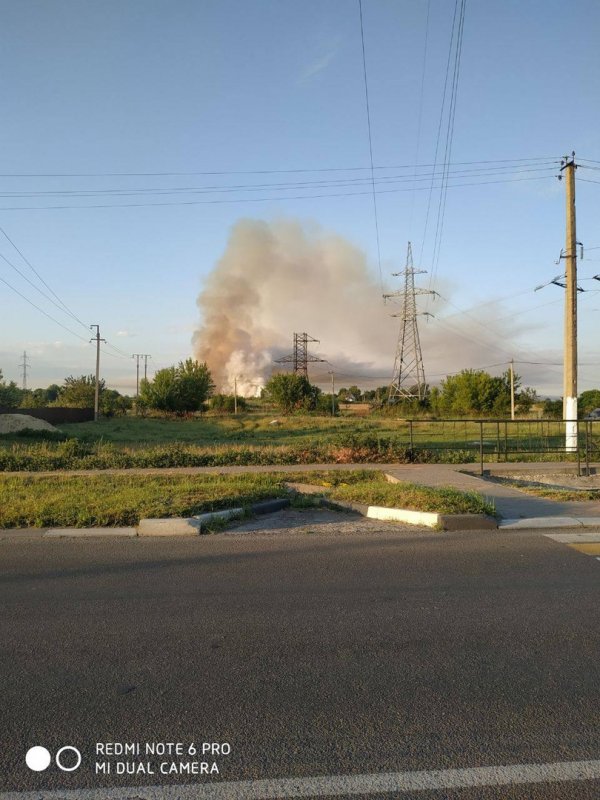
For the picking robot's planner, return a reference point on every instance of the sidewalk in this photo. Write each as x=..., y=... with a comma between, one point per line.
x=510, y=503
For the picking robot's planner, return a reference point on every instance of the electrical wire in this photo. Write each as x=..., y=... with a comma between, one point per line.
x=260, y=199
x=257, y=171
x=375, y=215
x=63, y=306
x=41, y=310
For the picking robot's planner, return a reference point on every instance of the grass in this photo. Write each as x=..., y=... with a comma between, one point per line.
x=250, y=438
x=114, y=500
x=442, y=500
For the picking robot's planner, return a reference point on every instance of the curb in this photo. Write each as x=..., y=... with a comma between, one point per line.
x=446, y=522
x=80, y=533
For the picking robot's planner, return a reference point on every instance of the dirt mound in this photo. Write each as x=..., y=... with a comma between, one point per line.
x=13, y=423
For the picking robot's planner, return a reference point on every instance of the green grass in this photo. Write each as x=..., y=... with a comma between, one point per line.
x=114, y=500
x=249, y=438
x=442, y=500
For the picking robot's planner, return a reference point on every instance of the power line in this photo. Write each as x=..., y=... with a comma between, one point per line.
x=288, y=186
x=258, y=199
x=364, y=61
x=65, y=308
x=254, y=171
x=448, y=147
x=41, y=310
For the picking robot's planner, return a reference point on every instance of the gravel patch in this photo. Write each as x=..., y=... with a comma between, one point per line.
x=554, y=480
x=318, y=521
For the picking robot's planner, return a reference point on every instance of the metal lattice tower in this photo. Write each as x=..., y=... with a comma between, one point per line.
x=300, y=358
x=408, y=381
x=25, y=366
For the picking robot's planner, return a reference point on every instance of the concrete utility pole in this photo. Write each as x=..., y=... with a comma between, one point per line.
x=97, y=339
x=570, y=358
x=24, y=364
x=235, y=395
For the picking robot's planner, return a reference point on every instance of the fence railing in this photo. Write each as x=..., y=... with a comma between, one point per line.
x=502, y=439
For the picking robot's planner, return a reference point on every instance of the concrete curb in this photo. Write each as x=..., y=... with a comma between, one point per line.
x=169, y=526
x=80, y=533
x=446, y=522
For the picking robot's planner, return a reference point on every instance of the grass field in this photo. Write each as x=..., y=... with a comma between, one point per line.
x=114, y=500
x=266, y=439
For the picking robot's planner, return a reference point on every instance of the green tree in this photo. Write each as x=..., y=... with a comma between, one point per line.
x=553, y=408
x=475, y=392
x=79, y=392
x=291, y=391
x=10, y=394
x=525, y=399
x=588, y=401
x=179, y=389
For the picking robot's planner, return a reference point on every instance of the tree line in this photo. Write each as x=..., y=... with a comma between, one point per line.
x=188, y=387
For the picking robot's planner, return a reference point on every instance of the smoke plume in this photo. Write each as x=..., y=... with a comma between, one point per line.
x=277, y=278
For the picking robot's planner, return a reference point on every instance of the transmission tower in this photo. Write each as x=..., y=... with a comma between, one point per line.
x=25, y=366
x=300, y=358
x=408, y=381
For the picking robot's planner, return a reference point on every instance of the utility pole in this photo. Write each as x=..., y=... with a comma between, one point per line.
x=332, y=393
x=512, y=389
x=235, y=394
x=570, y=358
x=24, y=364
x=137, y=356
x=97, y=339
x=408, y=380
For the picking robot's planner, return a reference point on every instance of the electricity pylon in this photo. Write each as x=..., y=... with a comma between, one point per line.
x=300, y=358
x=408, y=381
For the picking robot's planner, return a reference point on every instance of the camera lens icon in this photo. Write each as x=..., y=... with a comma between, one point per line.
x=38, y=758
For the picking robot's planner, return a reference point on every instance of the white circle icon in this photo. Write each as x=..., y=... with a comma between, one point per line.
x=61, y=751
x=38, y=759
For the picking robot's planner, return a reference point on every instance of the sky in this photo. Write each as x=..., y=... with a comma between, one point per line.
x=113, y=111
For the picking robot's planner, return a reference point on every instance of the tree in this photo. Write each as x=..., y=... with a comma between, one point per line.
x=475, y=392
x=588, y=401
x=79, y=392
x=10, y=394
x=553, y=408
x=526, y=398
x=179, y=389
x=291, y=391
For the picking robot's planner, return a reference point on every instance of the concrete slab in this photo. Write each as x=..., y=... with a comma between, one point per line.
x=568, y=538
x=177, y=526
x=79, y=533
x=539, y=522
x=589, y=522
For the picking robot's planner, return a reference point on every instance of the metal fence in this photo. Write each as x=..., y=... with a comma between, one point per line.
x=503, y=439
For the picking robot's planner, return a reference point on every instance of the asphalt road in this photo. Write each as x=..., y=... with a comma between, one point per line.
x=322, y=654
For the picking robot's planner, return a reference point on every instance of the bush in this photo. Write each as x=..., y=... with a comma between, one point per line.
x=226, y=403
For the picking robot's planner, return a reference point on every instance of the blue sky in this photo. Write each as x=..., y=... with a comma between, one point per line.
x=222, y=86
